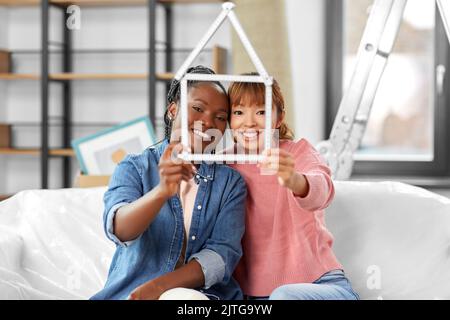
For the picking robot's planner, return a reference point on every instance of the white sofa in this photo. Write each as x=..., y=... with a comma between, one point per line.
x=393, y=240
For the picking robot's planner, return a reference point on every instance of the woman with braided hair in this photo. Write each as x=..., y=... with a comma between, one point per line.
x=177, y=226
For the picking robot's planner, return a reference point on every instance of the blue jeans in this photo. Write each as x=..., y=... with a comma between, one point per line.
x=332, y=285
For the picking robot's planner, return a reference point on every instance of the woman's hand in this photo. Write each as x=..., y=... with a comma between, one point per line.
x=148, y=291
x=280, y=162
x=283, y=163
x=172, y=170
x=189, y=276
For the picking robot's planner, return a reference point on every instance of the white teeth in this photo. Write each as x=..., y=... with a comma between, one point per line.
x=201, y=134
x=250, y=134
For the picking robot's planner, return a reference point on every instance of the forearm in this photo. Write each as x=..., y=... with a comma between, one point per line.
x=188, y=276
x=133, y=219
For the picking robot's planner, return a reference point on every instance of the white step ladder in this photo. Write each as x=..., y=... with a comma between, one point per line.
x=376, y=46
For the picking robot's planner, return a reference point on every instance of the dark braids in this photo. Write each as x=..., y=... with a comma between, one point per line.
x=175, y=91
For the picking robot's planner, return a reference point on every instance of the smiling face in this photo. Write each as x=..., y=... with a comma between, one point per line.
x=248, y=122
x=208, y=108
x=248, y=118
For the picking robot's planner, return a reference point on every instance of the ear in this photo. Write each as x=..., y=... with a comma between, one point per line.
x=173, y=110
x=280, y=119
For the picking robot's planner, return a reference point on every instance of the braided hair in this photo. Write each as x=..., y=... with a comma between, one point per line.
x=175, y=91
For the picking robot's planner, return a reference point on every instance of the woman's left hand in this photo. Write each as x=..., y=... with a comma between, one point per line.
x=281, y=162
x=148, y=291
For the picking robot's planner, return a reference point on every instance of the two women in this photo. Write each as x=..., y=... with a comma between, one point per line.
x=180, y=225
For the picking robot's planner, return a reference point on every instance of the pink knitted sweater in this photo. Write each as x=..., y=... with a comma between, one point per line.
x=286, y=240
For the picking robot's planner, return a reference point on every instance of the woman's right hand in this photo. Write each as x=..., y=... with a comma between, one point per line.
x=172, y=170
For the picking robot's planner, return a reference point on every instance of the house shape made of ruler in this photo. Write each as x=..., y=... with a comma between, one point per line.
x=263, y=77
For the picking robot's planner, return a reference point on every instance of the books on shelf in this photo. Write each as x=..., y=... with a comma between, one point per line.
x=5, y=135
x=5, y=61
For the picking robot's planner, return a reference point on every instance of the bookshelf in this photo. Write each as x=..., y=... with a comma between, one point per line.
x=36, y=152
x=12, y=3
x=86, y=76
x=67, y=75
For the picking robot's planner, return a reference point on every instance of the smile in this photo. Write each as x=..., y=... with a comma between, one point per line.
x=201, y=134
x=249, y=135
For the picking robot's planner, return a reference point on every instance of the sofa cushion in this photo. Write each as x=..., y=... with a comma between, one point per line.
x=393, y=239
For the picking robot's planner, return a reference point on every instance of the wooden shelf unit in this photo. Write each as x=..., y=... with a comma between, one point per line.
x=67, y=75
x=37, y=151
x=95, y=3
x=106, y=76
x=86, y=76
x=18, y=76
x=19, y=3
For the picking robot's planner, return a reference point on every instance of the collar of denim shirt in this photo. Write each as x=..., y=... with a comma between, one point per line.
x=205, y=172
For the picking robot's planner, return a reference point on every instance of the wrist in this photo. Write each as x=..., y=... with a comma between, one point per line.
x=293, y=181
x=160, y=285
x=301, y=188
x=160, y=193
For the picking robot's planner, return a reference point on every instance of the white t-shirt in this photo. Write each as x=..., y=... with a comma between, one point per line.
x=188, y=192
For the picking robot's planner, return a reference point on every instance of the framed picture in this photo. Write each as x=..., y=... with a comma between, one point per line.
x=98, y=154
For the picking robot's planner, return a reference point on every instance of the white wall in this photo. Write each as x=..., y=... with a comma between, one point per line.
x=93, y=101
x=3, y=27
x=306, y=31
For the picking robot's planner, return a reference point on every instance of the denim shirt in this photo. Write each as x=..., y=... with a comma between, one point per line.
x=214, y=237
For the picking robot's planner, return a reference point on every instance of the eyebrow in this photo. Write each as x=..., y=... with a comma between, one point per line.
x=223, y=110
x=204, y=102
x=244, y=106
x=201, y=100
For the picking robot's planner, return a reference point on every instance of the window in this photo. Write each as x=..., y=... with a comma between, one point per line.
x=407, y=131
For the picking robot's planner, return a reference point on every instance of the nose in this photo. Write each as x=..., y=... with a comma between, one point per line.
x=207, y=121
x=249, y=121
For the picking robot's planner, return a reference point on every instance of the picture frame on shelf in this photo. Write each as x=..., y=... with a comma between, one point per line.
x=98, y=154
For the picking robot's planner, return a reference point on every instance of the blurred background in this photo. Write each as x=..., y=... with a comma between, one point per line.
x=69, y=69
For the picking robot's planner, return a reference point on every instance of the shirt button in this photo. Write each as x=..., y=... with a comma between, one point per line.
x=205, y=180
x=199, y=207
x=193, y=237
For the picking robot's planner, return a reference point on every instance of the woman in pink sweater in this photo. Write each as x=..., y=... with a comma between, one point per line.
x=287, y=248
